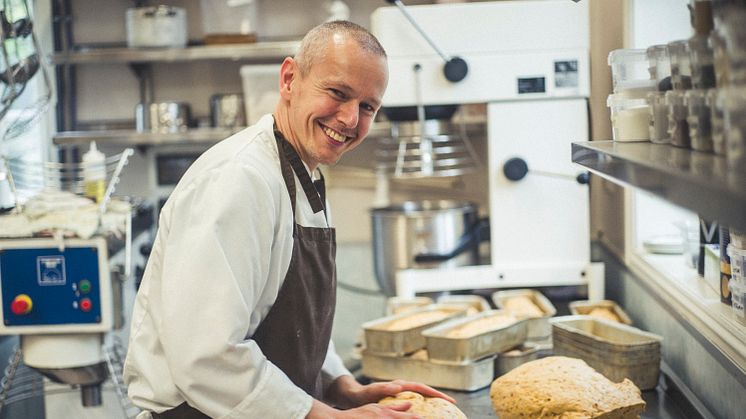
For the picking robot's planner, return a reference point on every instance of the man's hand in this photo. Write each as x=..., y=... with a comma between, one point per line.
x=371, y=411
x=346, y=392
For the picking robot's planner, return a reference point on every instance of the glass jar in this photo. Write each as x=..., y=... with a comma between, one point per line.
x=734, y=126
x=698, y=119
x=702, y=62
x=714, y=101
x=659, y=66
x=678, y=127
x=658, y=118
x=681, y=70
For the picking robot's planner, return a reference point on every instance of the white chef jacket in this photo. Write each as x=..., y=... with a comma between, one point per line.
x=219, y=259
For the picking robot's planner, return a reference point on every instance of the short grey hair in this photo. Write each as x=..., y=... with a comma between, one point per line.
x=315, y=43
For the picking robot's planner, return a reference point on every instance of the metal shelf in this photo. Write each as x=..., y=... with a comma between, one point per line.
x=258, y=53
x=134, y=138
x=695, y=180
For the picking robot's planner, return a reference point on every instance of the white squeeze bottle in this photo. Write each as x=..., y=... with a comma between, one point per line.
x=94, y=173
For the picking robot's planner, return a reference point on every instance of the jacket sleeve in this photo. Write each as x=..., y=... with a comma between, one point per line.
x=222, y=247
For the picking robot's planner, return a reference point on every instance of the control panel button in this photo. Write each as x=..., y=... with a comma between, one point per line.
x=86, y=305
x=21, y=305
x=85, y=286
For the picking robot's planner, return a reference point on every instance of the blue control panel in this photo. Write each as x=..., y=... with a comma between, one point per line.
x=46, y=286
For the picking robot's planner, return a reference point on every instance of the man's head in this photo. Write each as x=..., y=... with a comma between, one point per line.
x=331, y=90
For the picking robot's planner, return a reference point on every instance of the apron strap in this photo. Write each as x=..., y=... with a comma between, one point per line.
x=296, y=163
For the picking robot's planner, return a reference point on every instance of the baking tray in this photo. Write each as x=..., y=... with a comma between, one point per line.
x=539, y=328
x=516, y=357
x=586, y=306
x=464, y=377
x=400, y=342
x=477, y=303
x=444, y=348
x=615, y=350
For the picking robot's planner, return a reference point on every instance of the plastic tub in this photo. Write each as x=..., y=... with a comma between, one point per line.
x=630, y=73
x=678, y=127
x=698, y=118
x=658, y=118
x=630, y=118
x=681, y=70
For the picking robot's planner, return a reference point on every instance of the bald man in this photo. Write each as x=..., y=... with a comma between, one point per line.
x=233, y=318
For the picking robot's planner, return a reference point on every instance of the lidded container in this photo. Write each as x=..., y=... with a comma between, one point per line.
x=659, y=66
x=658, y=114
x=698, y=119
x=629, y=118
x=630, y=73
x=734, y=127
x=681, y=70
x=678, y=127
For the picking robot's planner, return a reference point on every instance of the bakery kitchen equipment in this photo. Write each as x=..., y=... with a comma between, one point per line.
x=527, y=61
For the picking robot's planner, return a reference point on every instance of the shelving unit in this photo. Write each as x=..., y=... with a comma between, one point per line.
x=695, y=180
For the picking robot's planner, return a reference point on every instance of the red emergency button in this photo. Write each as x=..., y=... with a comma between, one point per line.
x=86, y=305
x=21, y=305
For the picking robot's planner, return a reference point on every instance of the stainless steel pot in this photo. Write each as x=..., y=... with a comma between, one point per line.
x=163, y=117
x=227, y=110
x=423, y=234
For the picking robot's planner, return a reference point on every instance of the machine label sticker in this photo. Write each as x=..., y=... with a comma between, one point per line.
x=531, y=85
x=566, y=73
x=50, y=270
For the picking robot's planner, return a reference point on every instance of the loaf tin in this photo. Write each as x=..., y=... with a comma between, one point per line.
x=476, y=302
x=516, y=357
x=460, y=350
x=463, y=377
x=615, y=350
x=586, y=306
x=399, y=305
x=400, y=342
x=538, y=327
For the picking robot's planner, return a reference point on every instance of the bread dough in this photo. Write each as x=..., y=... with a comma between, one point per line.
x=417, y=319
x=481, y=325
x=563, y=388
x=604, y=313
x=426, y=407
x=522, y=306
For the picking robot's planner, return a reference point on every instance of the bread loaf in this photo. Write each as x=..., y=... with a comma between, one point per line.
x=481, y=325
x=426, y=407
x=563, y=388
x=522, y=306
x=604, y=313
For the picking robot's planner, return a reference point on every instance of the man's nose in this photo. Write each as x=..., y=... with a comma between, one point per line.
x=349, y=113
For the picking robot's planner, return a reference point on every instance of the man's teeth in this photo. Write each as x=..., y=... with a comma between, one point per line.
x=335, y=135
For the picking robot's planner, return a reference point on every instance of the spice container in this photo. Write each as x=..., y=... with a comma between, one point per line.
x=678, y=127
x=698, y=118
x=681, y=70
x=659, y=66
x=630, y=118
x=630, y=73
x=658, y=118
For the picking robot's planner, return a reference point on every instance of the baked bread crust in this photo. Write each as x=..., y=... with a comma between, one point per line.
x=563, y=388
x=426, y=407
x=605, y=313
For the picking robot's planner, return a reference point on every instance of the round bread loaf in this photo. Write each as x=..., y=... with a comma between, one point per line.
x=567, y=388
x=426, y=407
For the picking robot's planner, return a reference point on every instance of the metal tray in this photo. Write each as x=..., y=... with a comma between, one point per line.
x=476, y=302
x=539, y=328
x=444, y=348
x=615, y=350
x=465, y=377
x=380, y=340
x=507, y=361
x=586, y=306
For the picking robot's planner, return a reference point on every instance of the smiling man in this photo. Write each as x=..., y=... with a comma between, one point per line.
x=234, y=314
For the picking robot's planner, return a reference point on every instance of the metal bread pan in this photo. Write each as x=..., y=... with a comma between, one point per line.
x=586, y=306
x=538, y=327
x=475, y=303
x=442, y=346
x=465, y=377
x=515, y=357
x=379, y=337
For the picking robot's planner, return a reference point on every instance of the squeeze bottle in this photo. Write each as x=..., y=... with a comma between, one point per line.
x=94, y=173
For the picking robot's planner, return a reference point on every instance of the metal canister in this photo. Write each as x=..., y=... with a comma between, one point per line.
x=725, y=272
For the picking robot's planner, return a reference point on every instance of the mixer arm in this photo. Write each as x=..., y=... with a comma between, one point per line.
x=478, y=233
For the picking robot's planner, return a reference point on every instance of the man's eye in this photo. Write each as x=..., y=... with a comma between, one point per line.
x=338, y=93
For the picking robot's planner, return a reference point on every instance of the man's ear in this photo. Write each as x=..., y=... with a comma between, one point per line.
x=288, y=72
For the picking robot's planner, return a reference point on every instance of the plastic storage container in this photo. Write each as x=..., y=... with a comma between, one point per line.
x=678, y=127
x=698, y=118
x=630, y=73
x=659, y=66
x=658, y=114
x=260, y=90
x=681, y=70
x=630, y=118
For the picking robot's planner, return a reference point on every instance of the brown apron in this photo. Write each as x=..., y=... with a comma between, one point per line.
x=295, y=333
